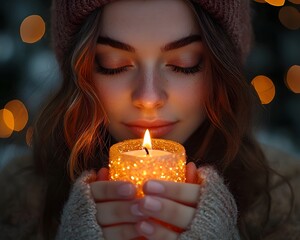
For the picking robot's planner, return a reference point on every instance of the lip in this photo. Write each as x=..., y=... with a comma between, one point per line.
x=157, y=128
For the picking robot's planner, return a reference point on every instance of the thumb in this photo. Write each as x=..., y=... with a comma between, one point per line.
x=191, y=173
x=103, y=174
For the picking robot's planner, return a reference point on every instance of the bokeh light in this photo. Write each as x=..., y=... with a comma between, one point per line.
x=6, y=123
x=32, y=29
x=265, y=88
x=289, y=17
x=20, y=114
x=292, y=80
x=8, y=118
x=29, y=134
x=295, y=1
x=276, y=3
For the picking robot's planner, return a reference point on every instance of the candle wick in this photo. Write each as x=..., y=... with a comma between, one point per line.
x=146, y=149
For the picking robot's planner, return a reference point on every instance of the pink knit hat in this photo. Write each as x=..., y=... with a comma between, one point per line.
x=69, y=15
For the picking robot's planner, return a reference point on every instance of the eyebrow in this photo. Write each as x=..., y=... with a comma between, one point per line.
x=169, y=46
x=115, y=44
x=182, y=42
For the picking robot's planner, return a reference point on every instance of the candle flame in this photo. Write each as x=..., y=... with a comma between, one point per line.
x=147, y=140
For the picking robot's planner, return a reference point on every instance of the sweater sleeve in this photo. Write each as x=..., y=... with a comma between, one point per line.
x=216, y=214
x=79, y=214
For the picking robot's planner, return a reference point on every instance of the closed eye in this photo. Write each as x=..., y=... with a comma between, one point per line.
x=187, y=70
x=112, y=71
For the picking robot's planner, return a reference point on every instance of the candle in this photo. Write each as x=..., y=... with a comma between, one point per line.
x=138, y=160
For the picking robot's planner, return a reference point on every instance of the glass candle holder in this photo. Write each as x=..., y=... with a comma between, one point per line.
x=128, y=161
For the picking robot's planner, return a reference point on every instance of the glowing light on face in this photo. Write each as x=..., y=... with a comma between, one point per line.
x=32, y=29
x=151, y=76
x=265, y=88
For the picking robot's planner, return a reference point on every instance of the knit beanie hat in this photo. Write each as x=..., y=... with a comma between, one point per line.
x=69, y=15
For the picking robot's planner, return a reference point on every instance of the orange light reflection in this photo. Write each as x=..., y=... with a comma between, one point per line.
x=6, y=123
x=276, y=3
x=20, y=114
x=32, y=29
x=292, y=80
x=289, y=17
x=265, y=88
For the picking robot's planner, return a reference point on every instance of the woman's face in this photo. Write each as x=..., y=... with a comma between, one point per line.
x=149, y=69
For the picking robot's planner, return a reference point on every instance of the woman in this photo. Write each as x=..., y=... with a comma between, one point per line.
x=174, y=67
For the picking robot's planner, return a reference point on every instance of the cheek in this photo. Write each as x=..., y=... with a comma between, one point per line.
x=109, y=91
x=103, y=93
x=191, y=104
x=107, y=95
x=191, y=95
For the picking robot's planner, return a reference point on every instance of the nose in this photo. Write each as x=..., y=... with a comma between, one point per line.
x=149, y=92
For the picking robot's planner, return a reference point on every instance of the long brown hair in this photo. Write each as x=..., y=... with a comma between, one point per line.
x=71, y=130
x=227, y=139
x=228, y=142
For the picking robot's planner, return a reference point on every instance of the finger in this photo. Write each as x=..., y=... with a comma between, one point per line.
x=121, y=232
x=103, y=174
x=112, y=190
x=110, y=213
x=151, y=230
x=167, y=211
x=191, y=173
x=185, y=193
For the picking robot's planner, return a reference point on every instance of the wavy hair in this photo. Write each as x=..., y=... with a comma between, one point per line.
x=228, y=142
x=70, y=132
x=227, y=139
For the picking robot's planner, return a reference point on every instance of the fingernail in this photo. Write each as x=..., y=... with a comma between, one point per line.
x=154, y=187
x=125, y=190
x=146, y=228
x=135, y=210
x=152, y=204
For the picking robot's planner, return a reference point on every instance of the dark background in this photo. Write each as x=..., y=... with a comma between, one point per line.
x=29, y=72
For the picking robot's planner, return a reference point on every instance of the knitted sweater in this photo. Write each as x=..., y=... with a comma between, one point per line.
x=22, y=197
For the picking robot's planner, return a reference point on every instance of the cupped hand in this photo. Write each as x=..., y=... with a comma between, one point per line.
x=116, y=207
x=166, y=209
x=169, y=206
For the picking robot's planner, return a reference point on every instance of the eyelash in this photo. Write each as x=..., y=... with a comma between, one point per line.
x=112, y=71
x=187, y=70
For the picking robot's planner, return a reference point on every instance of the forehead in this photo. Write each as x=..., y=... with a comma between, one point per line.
x=148, y=20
